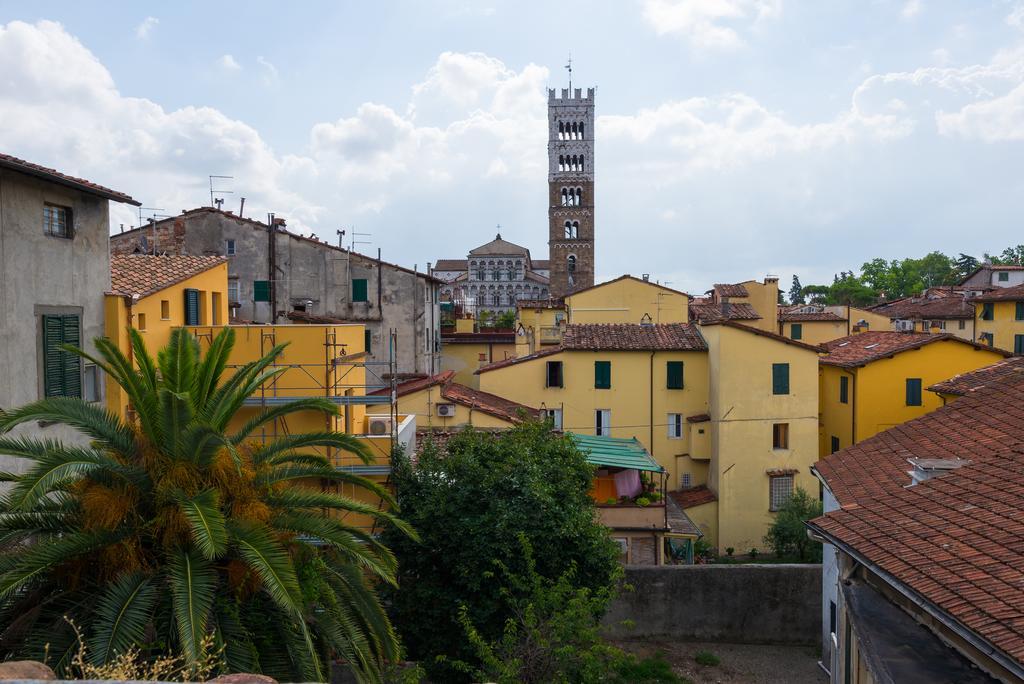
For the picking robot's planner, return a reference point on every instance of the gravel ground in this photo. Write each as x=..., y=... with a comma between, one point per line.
x=739, y=662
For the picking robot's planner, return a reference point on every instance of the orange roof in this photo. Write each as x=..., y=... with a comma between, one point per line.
x=1003, y=294
x=143, y=274
x=706, y=312
x=810, y=316
x=55, y=176
x=632, y=337
x=628, y=277
x=488, y=403
x=863, y=348
x=695, y=496
x=731, y=290
x=965, y=383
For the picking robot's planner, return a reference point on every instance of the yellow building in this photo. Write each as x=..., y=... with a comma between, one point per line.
x=466, y=349
x=751, y=303
x=539, y=325
x=937, y=309
x=440, y=403
x=999, y=318
x=627, y=300
x=155, y=294
x=811, y=324
x=724, y=406
x=872, y=381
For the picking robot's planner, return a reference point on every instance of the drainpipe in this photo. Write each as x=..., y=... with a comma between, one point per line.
x=650, y=403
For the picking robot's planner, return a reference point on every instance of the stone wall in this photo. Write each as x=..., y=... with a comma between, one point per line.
x=756, y=604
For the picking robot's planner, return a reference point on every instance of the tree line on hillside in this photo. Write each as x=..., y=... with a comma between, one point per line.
x=896, y=278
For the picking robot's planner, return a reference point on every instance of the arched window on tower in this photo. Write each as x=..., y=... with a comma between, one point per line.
x=575, y=131
x=565, y=197
x=582, y=164
x=570, y=232
x=579, y=196
x=570, y=268
x=561, y=130
x=581, y=131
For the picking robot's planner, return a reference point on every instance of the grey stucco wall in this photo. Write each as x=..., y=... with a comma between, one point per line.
x=757, y=604
x=41, y=274
x=312, y=274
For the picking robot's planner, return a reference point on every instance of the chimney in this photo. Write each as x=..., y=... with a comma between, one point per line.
x=646, y=277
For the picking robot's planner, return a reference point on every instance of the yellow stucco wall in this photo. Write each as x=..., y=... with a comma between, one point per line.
x=836, y=417
x=743, y=411
x=629, y=399
x=626, y=301
x=464, y=358
x=764, y=297
x=705, y=517
x=874, y=321
x=537, y=328
x=1004, y=326
x=815, y=332
x=423, y=404
x=156, y=315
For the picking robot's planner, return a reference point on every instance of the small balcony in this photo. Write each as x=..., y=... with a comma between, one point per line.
x=550, y=334
x=632, y=516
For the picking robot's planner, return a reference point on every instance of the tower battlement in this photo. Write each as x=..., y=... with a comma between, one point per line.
x=576, y=98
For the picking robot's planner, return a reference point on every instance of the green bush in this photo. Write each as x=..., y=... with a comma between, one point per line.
x=706, y=658
x=643, y=501
x=787, y=536
x=472, y=505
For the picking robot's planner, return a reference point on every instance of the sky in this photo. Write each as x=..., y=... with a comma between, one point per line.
x=735, y=138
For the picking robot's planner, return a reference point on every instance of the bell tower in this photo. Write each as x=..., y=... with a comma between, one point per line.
x=570, y=190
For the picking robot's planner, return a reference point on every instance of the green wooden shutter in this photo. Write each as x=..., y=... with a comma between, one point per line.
x=1020, y=311
x=987, y=311
x=72, y=363
x=368, y=341
x=53, y=366
x=780, y=378
x=261, y=290
x=844, y=389
x=602, y=375
x=191, y=307
x=913, y=391
x=674, y=369
x=796, y=331
x=835, y=445
x=1018, y=344
x=359, y=290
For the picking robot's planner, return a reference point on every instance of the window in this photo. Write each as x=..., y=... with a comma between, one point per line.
x=62, y=371
x=1018, y=345
x=229, y=247
x=796, y=331
x=261, y=290
x=1004, y=276
x=603, y=422
x=57, y=221
x=1019, y=313
x=963, y=324
x=835, y=445
x=233, y=296
x=987, y=338
x=913, y=391
x=623, y=544
x=368, y=341
x=140, y=321
x=780, y=436
x=674, y=371
x=675, y=426
x=844, y=389
x=780, y=378
x=192, y=306
x=555, y=416
x=359, y=290
x=686, y=481
x=90, y=383
x=780, y=488
x=986, y=311
x=165, y=310
x=602, y=375
x=554, y=374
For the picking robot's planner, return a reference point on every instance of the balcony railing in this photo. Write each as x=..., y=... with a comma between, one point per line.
x=632, y=516
x=550, y=334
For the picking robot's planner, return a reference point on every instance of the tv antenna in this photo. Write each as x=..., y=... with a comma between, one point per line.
x=218, y=202
x=568, y=67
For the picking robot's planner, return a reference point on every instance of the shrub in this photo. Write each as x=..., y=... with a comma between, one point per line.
x=472, y=504
x=729, y=551
x=643, y=501
x=706, y=658
x=788, y=535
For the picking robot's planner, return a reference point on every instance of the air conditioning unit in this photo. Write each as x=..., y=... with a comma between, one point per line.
x=446, y=410
x=905, y=326
x=380, y=425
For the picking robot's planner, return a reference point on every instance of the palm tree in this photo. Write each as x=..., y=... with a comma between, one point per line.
x=173, y=534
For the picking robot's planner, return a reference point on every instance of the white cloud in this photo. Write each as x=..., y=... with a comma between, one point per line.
x=708, y=24
x=143, y=30
x=270, y=73
x=912, y=8
x=229, y=64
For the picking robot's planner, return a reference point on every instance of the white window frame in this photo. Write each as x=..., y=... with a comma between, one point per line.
x=234, y=291
x=780, y=488
x=675, y=426
x=603, y=422
x=685, y=481
x=90, y=370
x=556, y=417
x=229, y=247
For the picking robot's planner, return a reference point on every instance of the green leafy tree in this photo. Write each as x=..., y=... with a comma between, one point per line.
x=936, y=269
x=965, y=264
x=787, y=536
x=174, y=526
x=816, y=294
x=850, y=290
x=796, y=292
x=470, y=504
x=506, y=319
x=1012, y=256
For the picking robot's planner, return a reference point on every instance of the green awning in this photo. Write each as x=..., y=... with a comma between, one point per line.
x=615, y=452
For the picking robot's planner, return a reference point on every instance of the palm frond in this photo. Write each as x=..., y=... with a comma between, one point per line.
x=358, y=604
x=287, y=444
x=210, y=369
x=105, y=428
x=239, y=651
x=178, y=360
x=139, y=386
x=305, y=498
x=375, y=558
x=271, y=563
x=121, y=617
x=193, y=582
x=206, y=521
x=144, y=360
x=68, y=463
x=287, y=473
x=47, y=555
x=200, y=443
x=317, y=404
x=175, y=416
x=218, y=412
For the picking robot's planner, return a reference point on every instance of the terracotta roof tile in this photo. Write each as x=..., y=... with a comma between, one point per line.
x=731, y=290
x=492, y=404
x=303, y=317
x=810, y=316
x=936, y=303
x=26, y=167
x=698, y=418
x=965, y=383
x=715, y=313
x=521, y=359
x=417, y=384
x=451, y=265
x=144, y=274
x=1003, y=294
x=695, y=496
x=633, y=337
x=863, y=348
